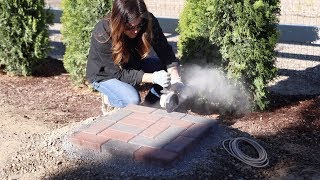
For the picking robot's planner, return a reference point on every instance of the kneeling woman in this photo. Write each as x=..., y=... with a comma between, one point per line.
x=118, y=59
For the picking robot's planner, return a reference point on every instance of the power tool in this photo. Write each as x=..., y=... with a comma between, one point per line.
x=169, y=100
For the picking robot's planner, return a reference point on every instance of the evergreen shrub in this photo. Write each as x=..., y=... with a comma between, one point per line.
x=246, y=34
x=78, y=20
x=24, y=38
x=193, y=30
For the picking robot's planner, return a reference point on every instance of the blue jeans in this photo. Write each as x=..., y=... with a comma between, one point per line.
x=121, y=94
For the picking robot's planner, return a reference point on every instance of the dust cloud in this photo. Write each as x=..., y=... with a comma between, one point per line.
x=212, y=86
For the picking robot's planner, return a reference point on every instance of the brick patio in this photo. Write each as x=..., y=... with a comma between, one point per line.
x=145, y=134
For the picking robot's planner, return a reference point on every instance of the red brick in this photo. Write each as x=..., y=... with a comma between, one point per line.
x=183, y=123
x=147, y=154
x=136, y=122
x=155, y=129
x=141, y=109
x=143, y=116
x=127, y=128
x=199, y=119
x=117, y=135
x=168, y=121
x=180, y=144
x=196, y=131
x=164, y=113
x=97, y=127
x=177, y=122
x=89, y=141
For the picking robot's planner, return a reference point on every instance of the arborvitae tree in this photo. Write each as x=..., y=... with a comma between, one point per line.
x=247, y=35
x=78, y=20
x=24, y=39
x=245, y=32
x=193, y=31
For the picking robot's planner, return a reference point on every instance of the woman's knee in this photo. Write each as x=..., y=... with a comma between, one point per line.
x=122, y=102
x=134, y=100
x=120, y=94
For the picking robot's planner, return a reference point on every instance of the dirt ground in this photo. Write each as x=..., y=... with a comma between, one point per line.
x=37, y=111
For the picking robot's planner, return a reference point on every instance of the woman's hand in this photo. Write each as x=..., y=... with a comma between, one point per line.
x=176, y=83
x=161, y=77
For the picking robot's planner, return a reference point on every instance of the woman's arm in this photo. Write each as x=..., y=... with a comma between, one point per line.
x=165, y=52
x=147, y=78
x=161, y=46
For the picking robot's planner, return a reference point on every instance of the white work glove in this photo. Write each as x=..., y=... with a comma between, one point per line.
x=176, y=83
x=177, y=86
x=161, y=77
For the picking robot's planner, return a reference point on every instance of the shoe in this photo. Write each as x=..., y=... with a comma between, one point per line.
x=106, y=108
x=152, y=99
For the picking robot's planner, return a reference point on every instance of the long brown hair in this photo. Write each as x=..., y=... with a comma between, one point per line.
x=124, y=11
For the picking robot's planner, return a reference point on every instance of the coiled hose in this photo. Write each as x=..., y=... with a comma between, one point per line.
x=234, y=150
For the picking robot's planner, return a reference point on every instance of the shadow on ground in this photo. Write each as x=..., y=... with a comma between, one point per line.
x=298, y=145
x=49, y=67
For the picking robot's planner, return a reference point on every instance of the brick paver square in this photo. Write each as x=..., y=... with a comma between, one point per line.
x=144, y=116
x=117, y=116
x=140, y=109
x=148, y=142
x=144, y=134
x=171, y=133
x=115, y=134
x=136, y=122
x=196, y=119
x=179, y=144
x=155, y=129
x=89, y=141
x=122, y=149
x=155, y=155
x=97, y=127
x=163, y=113
x=176, y=122
x=127, y=128
x=196, y=131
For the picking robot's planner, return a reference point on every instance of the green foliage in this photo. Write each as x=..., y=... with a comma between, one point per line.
x=24, y=39
x=245, y=32
x=193, y=28
x=78, y=20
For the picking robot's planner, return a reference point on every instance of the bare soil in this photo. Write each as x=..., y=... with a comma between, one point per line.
x=37, y=111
